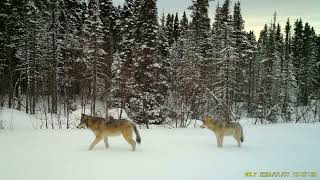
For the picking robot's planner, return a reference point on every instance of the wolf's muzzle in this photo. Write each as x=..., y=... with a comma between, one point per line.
x=203, y=126
x=81, y=126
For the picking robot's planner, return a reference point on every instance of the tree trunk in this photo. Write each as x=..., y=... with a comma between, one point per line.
x=10, y=89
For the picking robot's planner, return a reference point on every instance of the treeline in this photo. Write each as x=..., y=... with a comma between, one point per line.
x=162, y=70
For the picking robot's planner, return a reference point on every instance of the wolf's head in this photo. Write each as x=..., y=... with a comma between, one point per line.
x=83, y=121
x=206, y=121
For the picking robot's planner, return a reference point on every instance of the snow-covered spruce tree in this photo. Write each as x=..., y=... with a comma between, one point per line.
x=184, y=24
x=29, y=54
x=82, y=63
x=173, y=102
x=200, y=32
x=318, y=61
x=72, y=54
x=304, y=58
x=41, y=48
x=309, y=63
x=185, y=98
x=12, y=18
x=4, y=18
x=317, y=85
x=304, y=42
x=11, y=29
x=200, y=24
x=43, y=27
x=162, y=70
x=277, y=89
x=95, y=52
x=226, y=56
x=240, y=44
x=288, y=80
x=297, y=49
x=116, y=27
x=123, y=65
x=149, y=83
x=38, y=28
x=251, y=71
x=54, y=52
x=266, y=48
x=270, y=56
x=213, y=67
x=107, y=16
x=158, y=64
x=176, y=30
x=163, y=38
x=261, y=93
x=170, y=29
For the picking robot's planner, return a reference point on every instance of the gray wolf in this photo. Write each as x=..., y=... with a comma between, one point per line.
x=103, y=129
x=224, y=128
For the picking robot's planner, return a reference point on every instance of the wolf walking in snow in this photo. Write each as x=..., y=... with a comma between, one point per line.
x=224, y=128
x=102, y=129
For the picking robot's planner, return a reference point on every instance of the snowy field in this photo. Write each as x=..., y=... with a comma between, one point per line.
x=165, y=154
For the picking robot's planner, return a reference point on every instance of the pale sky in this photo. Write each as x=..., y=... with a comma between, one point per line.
x=256, y=13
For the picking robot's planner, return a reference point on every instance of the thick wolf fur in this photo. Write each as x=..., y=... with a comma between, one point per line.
x=224, y=128
x=102, y=129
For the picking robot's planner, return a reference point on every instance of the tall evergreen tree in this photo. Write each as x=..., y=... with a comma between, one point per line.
x=251, y=69
x=125, y=77
x=309, y=64
x=149, y=70
x=297, y=57
x=107, y=16
x=170, y=29
x=184, y=22
x=240, y=44
x=176, y=29
x=200, y=24
x=288, y=81
x=95, y=49
x=227, y=56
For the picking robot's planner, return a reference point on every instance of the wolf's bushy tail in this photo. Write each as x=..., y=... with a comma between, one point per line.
x=138, y=138
x=241, y=137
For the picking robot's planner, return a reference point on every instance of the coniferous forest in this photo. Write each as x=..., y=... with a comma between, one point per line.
x=60, y=55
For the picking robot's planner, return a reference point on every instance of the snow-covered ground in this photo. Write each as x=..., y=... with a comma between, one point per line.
x=165, y=154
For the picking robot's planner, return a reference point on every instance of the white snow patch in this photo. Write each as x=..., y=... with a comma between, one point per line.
x=117, y=112
x=14, y=119
x=165, y=154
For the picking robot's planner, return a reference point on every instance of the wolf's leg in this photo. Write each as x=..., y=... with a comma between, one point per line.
x=106, y=144
x=237, y=138
x=219, y=140
x=131, y=142
x=98, y=139
x=128, y=137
